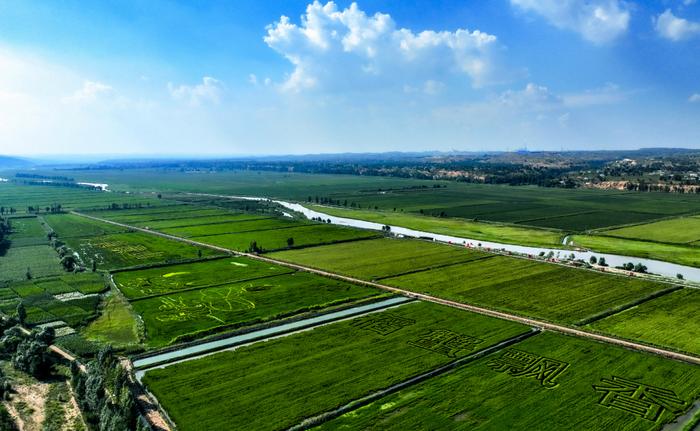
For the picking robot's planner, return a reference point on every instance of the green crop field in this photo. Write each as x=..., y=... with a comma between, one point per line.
x=184, y=316
x=587, y=386
x=308, y=373
x=171, y=278
x=529, y=288
x=677, y=231
x=276, y=239
x=73, y=226
x=380, y=258
x=453, y=226
x=676, y=253
x=669, y=321
x=40, y=260
x=42, y=305
x=116, y=324
x=130, y=249
x=20, y=197
x=571, y=210
x=520, y=286
x=201, y=230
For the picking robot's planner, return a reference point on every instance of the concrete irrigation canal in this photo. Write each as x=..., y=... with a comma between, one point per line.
x=198, y=350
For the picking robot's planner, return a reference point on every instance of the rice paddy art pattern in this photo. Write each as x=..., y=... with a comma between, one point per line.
x=518, y=363
x=639, y=399
x=210, y=304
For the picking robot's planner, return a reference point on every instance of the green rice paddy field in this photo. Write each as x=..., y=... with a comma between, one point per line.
x=132, y=248
x=571, y=210
x=380, y=258
x=186, y=315
x=172, y=278
x=277, y=383
x=488, y=394
x=671, y=321
x=677, y=253
x=535, y=289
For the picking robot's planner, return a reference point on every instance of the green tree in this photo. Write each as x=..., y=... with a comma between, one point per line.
x=21, y=313
x=290, y=242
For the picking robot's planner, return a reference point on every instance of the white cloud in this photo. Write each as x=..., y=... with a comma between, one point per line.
x=208, y=91
x=334, y=48
x=598, y=21
x=694, y=98
x=90, y=92
x=539, y=98
x=606, y=95
x=688, y=2
x=671, y=27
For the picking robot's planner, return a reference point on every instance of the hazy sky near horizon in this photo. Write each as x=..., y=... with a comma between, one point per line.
x=292, y=77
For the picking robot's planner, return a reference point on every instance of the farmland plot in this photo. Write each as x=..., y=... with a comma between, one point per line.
x=276, y=239
x=380, y=258
x=670, y=321
x=587, y=386
x=129, y=249
x=171, y=278
x=291, y=378
x=529, y=288
x=187, y=315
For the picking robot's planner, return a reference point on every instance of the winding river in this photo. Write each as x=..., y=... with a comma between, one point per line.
x=666, y=269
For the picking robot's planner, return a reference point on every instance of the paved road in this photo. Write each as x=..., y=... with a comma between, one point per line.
x=473, y=308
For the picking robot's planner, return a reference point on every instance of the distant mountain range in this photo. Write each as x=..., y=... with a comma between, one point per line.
x=14, y=162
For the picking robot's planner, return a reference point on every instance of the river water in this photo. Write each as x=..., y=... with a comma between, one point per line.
x=666, y=269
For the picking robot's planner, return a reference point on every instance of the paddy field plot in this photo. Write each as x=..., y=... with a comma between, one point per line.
x=683, y=230
x=547, y=382
x=21, y=196
x=27, y=231
x=69, y=298
x=278, y=383
x=497, y=232
x=671, y=321
x=172, y=278
x=530, y=288
x=684, y=254
x=133, y=248
x=40, y=260
x=232, y=226
x=380, y=258
x=73, y=226
x=191, y=314
x=276, y=239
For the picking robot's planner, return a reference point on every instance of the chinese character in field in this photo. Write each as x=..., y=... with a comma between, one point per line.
x=445, y=342
x=639, y=399
x=523, y=364
x=382, y=324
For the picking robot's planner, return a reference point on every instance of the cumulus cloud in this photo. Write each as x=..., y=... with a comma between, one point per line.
x=694, y=98
x=90, y=92
x=333, y=48
x=208, y=91
x=673, y=28
x=598, y=21
x=540, y=98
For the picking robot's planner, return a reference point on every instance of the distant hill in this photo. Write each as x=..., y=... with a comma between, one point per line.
x=13, y=162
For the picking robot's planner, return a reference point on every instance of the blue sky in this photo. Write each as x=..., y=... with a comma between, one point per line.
x=234, y=77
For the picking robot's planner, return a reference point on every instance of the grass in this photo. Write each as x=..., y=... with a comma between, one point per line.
x=278, y=383
x=276, y=239
x=529, y=288
x=171, y=278
x=116, y=325
x=184, y=316
x=379, y=258
x=670, y=321
x=475, y=397
x=454, y=226
x=675, y=253
x=130, y=249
